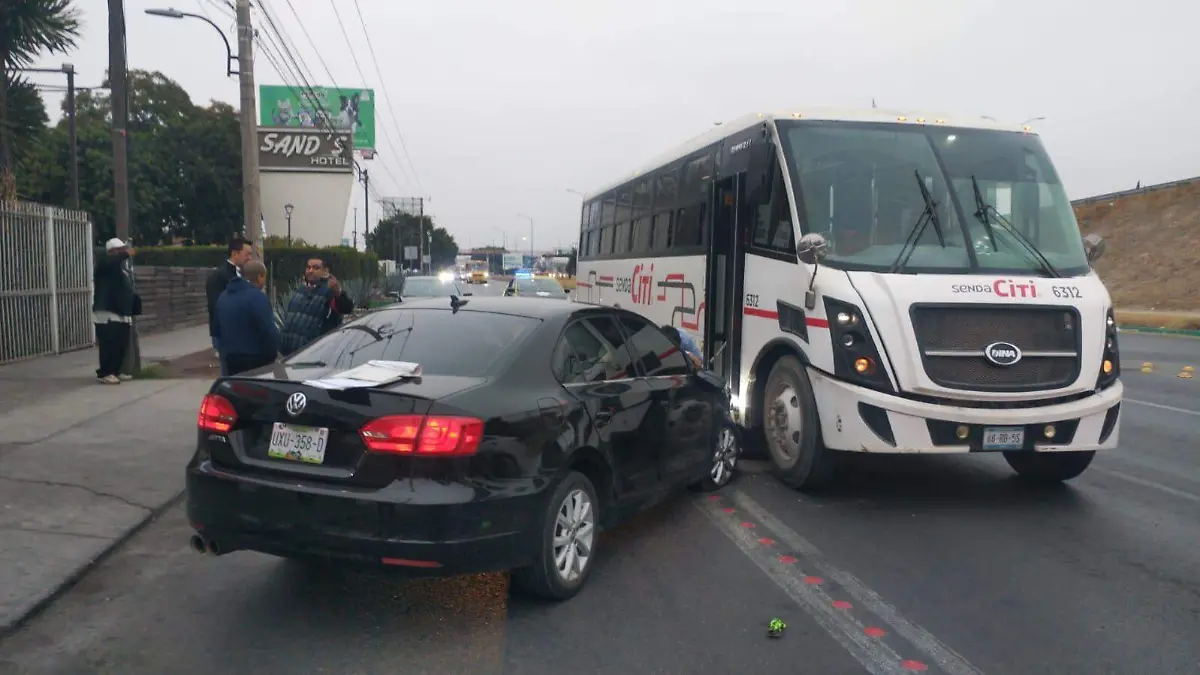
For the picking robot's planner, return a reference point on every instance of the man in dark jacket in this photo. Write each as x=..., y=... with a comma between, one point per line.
x=113, y=306
x=245, y=322
x=316, y=308
x=239, y=253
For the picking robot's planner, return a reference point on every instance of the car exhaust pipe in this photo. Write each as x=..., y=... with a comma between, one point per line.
x=199, y=545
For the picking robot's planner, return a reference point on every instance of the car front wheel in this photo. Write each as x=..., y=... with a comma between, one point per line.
x=727, y=450
x=567, y=544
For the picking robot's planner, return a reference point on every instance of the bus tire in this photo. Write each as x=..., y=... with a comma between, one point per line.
x=1049, y=467
x=793, y=428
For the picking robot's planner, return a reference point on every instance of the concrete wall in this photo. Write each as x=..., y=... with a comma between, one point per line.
x=172, y=297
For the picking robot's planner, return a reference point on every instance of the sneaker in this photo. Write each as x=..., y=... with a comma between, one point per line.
x=109, y=379
x=124, y=378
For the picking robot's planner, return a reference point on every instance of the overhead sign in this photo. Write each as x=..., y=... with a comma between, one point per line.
x=342, y=109
x=305, y=150
x=512, y=260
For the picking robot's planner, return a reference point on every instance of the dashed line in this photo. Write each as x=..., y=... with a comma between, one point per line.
x=867, y=642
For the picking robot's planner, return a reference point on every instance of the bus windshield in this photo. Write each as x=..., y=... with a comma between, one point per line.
x=857, y=184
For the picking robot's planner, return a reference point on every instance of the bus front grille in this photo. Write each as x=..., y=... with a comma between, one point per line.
x=952, y=340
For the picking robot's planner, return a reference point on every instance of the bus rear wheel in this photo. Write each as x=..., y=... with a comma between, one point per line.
x=1049, y=467
x=793, y=429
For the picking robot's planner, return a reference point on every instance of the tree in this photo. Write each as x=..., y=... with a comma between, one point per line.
x=393, y=233
x=27, y=28
x=184, y=160
x=572, y=258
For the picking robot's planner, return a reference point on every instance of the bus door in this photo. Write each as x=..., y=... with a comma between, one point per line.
x=723, y=281
x=742, y=162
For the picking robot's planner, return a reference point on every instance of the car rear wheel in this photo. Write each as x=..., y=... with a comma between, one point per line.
x=566, y=546
x=793, y=428
x=727, y=450
x=1049, y=467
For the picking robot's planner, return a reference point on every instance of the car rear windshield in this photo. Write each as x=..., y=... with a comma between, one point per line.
x=463, y=343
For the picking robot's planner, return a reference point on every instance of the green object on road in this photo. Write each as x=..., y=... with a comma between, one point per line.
x=775, y=628
x=345, y=108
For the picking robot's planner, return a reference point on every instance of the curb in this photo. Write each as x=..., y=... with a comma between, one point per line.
x=81, y=571
x=1182, y=332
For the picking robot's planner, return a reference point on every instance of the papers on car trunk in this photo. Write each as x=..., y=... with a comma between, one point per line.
x=369, y=374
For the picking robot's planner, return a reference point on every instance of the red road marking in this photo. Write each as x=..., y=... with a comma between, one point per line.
x=715, y=498
x=788, y=559
x=728, y=509
x=872, y=631
x=766, y=541
x=842, y=604
x=812, y=581
x=748, y=525
x=913, y=665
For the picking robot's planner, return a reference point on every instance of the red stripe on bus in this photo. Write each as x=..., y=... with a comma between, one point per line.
x=583, y=284
x=768, y=314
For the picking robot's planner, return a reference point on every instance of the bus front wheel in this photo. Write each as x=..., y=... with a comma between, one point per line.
x=793, y=429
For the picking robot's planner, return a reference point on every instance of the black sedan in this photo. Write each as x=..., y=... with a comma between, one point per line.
x=530, y=427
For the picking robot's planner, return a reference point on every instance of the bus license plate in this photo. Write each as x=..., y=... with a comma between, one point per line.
x=1003, y=438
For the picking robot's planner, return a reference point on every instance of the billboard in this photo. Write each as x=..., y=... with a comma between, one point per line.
x=348, y=109
x=512, y=261
x=306, y=150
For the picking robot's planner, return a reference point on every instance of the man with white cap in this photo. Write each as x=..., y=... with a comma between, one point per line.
x=114, y=305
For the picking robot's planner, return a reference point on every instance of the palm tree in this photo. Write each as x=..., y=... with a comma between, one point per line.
x=28, y=28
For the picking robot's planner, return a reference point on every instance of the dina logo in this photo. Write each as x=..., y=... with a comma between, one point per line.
x=1002, y=353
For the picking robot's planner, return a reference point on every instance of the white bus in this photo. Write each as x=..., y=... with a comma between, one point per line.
x=872, y=282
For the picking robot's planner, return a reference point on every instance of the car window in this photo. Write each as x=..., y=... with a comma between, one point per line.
x=591, y=350
x=427, y=288
x=653, y=350
x=464, y=343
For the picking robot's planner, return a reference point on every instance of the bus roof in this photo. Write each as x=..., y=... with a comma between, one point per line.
x=731, y=127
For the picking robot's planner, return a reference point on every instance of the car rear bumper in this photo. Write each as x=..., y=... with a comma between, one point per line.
x=451, y=531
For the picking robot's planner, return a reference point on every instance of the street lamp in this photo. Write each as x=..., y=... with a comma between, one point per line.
x=231, y=68
x=287, y=211
x=1032, y=119
x=531, y=255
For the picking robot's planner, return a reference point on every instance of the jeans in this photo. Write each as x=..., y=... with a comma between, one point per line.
x=112, y=339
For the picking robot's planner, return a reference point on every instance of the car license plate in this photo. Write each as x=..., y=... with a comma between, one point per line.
x=1003, y=438
x=299, y=444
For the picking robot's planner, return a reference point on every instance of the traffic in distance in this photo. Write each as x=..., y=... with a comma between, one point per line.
x=454, y=435
x=872, y=282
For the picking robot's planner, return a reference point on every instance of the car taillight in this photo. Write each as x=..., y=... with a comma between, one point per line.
x=431, y=436
x=216, y=414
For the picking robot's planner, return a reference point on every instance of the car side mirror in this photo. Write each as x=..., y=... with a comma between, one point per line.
x=1093, y=247
x=710, y=380
x=812, y=249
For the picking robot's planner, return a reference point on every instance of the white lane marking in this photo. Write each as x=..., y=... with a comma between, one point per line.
x=946, y=658
x=1160, y=406
x=874, y=655
x=1150, y=484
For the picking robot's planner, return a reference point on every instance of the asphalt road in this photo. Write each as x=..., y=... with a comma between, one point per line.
x=944, y=564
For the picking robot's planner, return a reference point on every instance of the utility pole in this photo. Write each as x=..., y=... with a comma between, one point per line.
x=118, y=85
x=72, y=140
x=251, y=208
x=354, y=230
x=366, y=209
x=421, y=237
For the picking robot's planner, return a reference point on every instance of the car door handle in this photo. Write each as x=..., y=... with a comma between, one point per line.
x=603, y=417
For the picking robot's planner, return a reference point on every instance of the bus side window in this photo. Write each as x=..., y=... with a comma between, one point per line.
x=772, y=215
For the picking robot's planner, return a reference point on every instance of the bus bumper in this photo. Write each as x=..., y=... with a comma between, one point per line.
x=856, y=419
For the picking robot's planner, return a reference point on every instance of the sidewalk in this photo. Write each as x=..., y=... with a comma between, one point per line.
x=83, y=465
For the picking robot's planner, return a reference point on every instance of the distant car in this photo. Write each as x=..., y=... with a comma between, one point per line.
x=536, y=287
x=531, y=426
x=431, y=287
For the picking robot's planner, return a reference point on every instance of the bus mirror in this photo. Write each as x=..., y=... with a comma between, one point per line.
x=812, y=249
x=1093, y=247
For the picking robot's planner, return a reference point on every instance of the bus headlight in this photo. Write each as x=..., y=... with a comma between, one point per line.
x=855, y=356
x=1110, y=361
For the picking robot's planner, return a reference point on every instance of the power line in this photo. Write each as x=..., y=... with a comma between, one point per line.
x=387, y=97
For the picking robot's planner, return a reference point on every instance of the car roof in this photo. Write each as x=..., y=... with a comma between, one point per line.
x=535, y=308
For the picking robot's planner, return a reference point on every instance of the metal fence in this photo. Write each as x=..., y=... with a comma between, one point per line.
x=45, y=281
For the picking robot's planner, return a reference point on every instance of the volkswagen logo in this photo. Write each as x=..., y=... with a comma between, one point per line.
x=1001, y=353
x=297, y=401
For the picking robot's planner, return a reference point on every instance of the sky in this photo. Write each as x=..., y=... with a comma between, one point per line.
x=511, y=107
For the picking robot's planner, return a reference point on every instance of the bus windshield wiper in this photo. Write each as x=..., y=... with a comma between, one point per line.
x=929, y=215
x=981, y=212
x=1044, y=265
